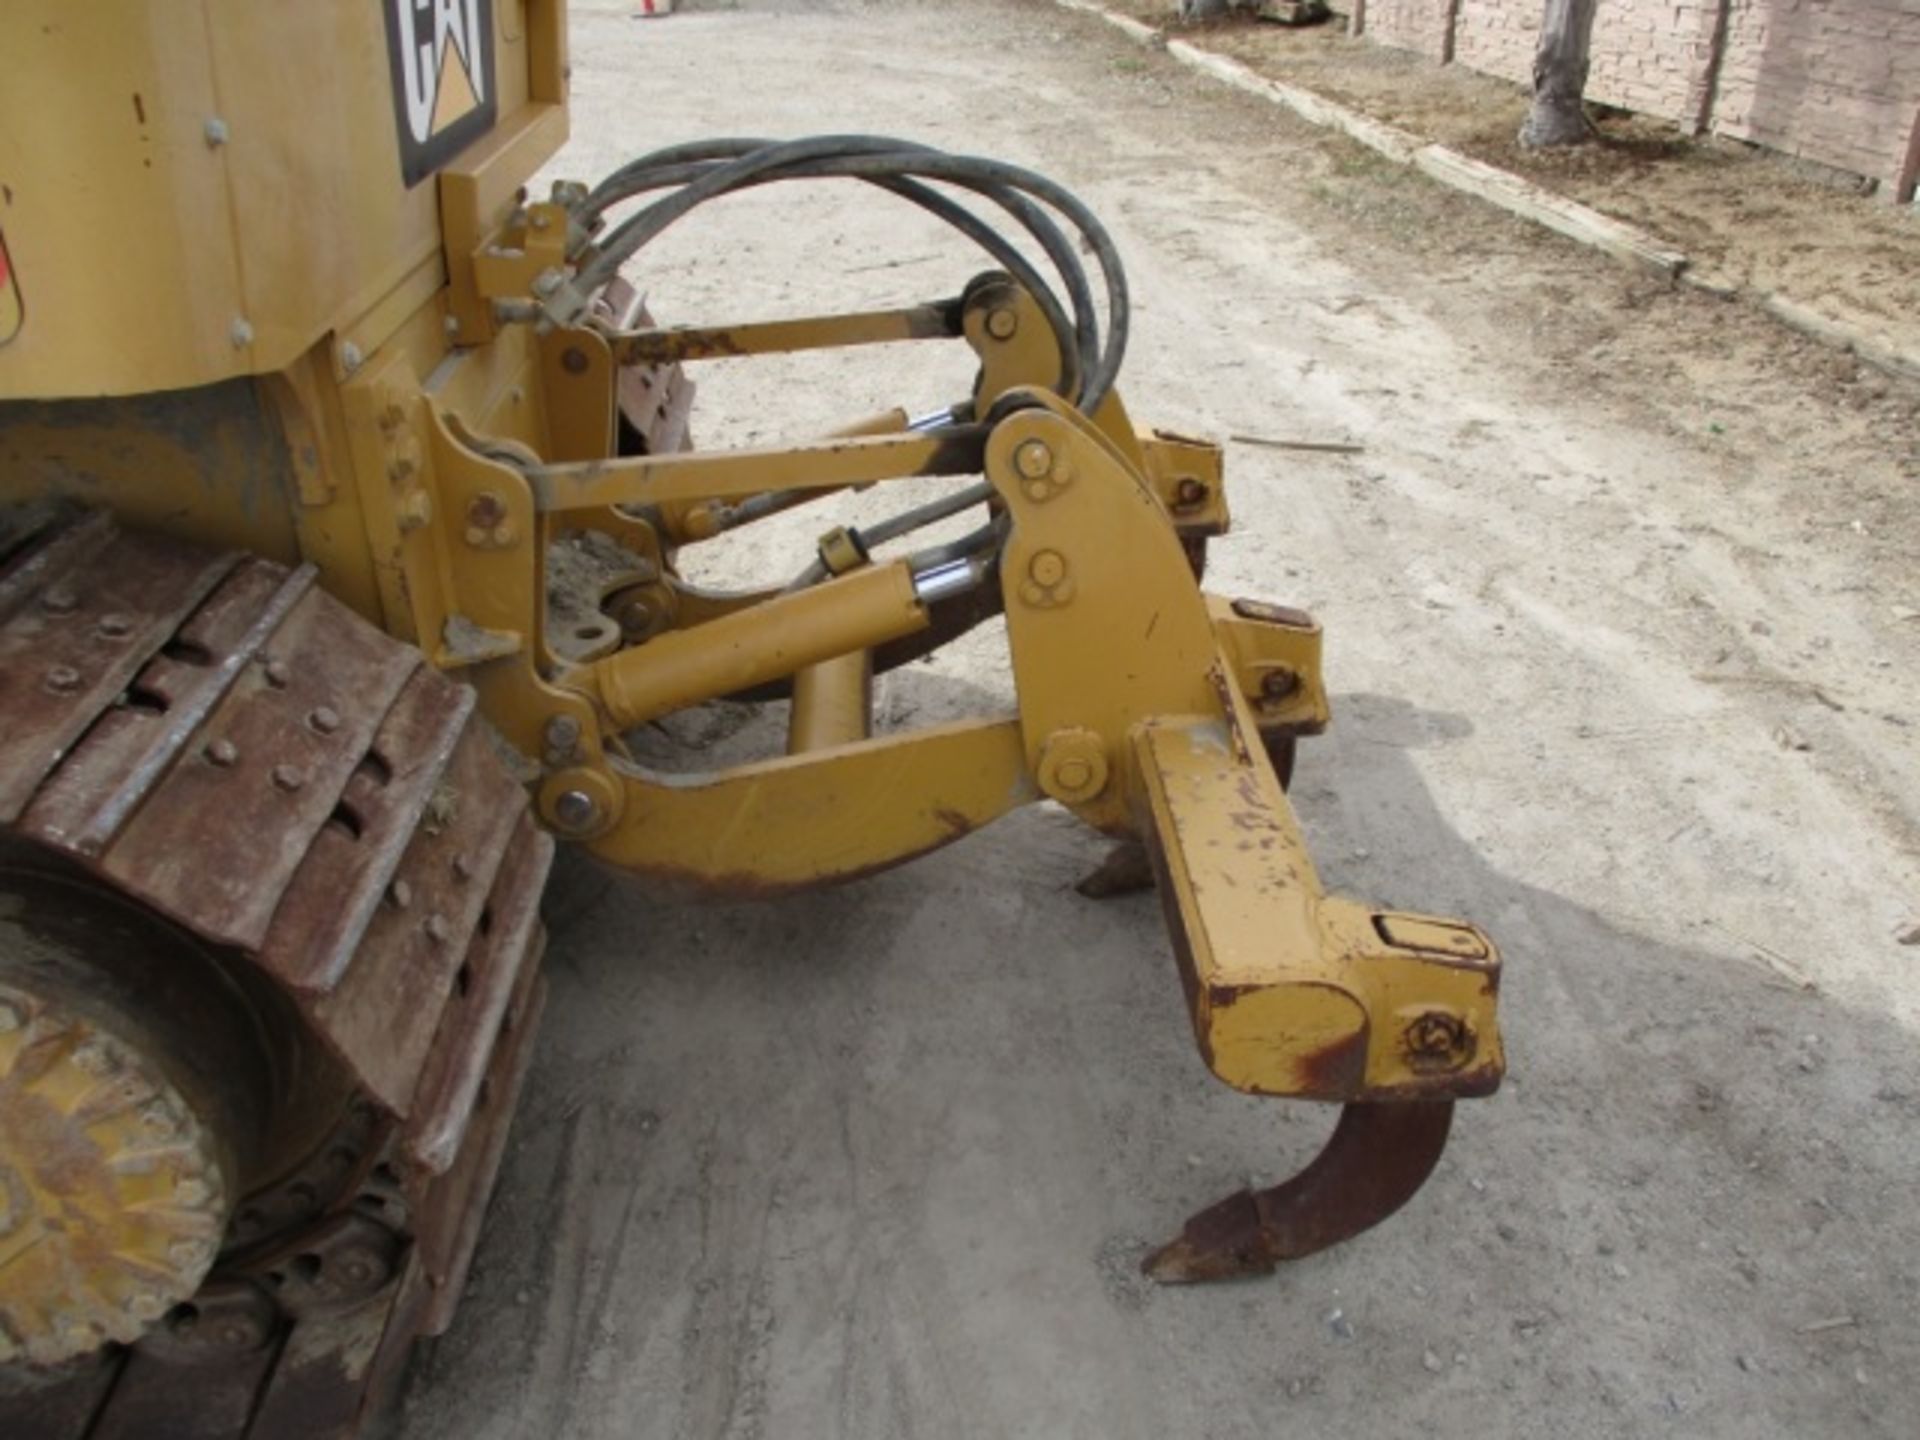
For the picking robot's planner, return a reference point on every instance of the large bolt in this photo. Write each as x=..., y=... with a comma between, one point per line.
x=486, y=510
x=1073, y=765
x=1277, y=685
x=1439, y=1038
x=1033, y=460
x=1073, y=774
x=1001, y=324
x=1047, y=569
x=575, y=810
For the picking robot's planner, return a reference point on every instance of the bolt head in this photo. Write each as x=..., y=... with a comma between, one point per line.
x=240, y=332
x=324, y=719
x=574, y=360
x=1074, y=774
x=1001, y=324
x=400, y=894
x=1047, y=568
x=222, y=753
x=63, y=679
x=278, y=673
x=561, y=733
x=350, y=357
x=575, y=809
x=1033, y=460
x=1278, y=684
x=288, y=778
x=486, y=510
x=416, y=510
x=438, y=930
x=59, y=601
x=215, y=129
x=114, y=627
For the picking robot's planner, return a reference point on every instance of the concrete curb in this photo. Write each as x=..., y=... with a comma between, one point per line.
x=1509, y=192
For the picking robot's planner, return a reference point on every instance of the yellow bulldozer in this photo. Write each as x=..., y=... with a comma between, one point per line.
x=302, y=394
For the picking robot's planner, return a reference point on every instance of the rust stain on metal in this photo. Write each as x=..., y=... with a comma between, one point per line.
x=1375, y=1161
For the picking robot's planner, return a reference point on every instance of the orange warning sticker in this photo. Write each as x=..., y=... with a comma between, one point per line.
x=12, y=312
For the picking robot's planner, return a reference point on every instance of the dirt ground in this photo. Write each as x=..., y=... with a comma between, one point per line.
x=1747, y=218
x=1623, y=612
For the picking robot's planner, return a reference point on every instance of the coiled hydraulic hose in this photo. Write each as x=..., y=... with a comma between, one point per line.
x=706, y=170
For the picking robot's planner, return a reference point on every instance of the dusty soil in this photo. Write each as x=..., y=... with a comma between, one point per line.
x=1748, y=217
x=1621, y=601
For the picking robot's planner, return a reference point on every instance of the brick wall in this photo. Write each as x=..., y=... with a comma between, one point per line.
x=1419, y=25
x=1837, y=81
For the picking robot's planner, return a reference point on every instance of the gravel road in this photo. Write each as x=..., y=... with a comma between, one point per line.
x=1623, y=609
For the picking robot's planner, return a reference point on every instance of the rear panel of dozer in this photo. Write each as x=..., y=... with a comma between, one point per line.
x=211, y=212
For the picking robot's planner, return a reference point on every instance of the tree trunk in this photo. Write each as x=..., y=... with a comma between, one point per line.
x=1560, y=75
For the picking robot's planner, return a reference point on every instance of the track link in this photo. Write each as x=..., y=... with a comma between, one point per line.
x=213, y=736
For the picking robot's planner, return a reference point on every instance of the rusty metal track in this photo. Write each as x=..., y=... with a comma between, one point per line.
x=213, y=736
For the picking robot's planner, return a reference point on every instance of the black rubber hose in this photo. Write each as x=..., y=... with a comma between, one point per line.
x=685, y=164
x=707, y=169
